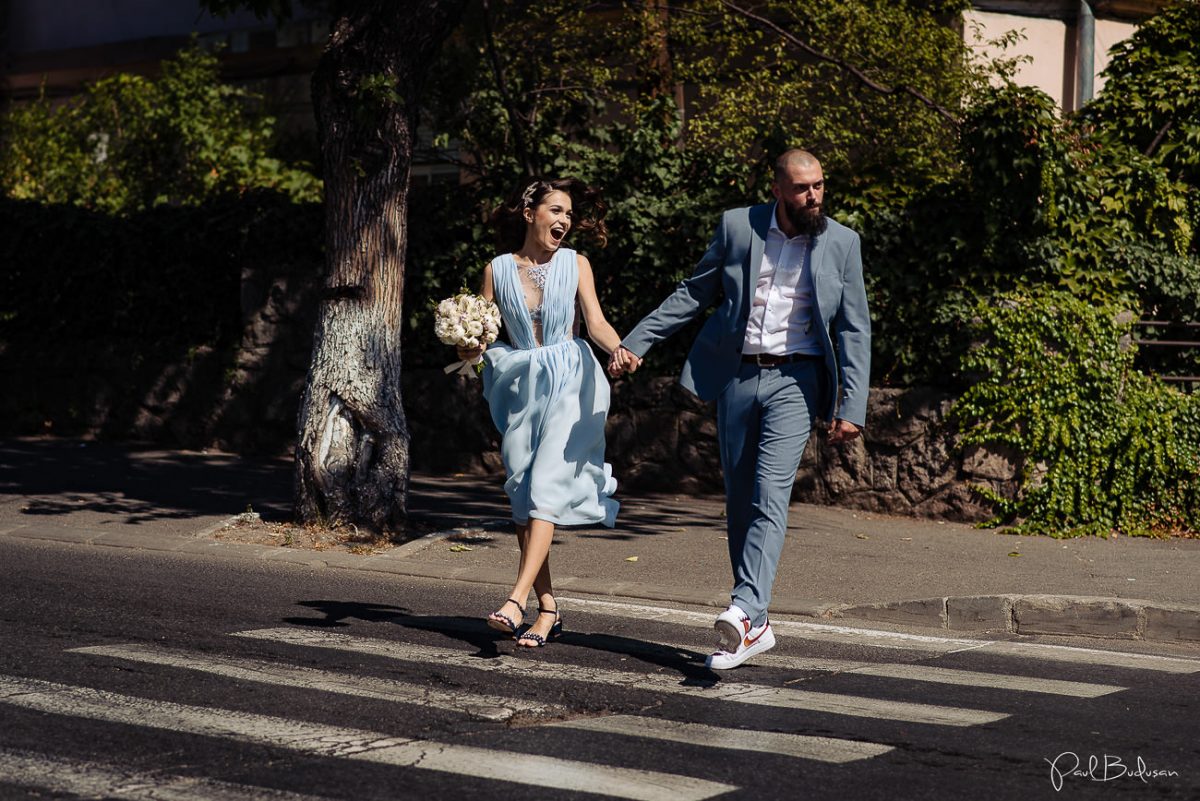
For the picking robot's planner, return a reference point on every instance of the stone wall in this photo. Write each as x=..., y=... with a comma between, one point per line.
x=908, y=462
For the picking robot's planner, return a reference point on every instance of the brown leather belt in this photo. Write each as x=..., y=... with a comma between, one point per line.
x=769, y=360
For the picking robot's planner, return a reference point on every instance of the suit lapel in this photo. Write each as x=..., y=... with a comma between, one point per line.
x=760, y=223
x=817, y=262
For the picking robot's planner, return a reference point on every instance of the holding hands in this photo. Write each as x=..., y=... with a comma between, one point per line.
x=623, y=361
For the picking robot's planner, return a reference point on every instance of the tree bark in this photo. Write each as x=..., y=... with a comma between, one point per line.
x=352, y=453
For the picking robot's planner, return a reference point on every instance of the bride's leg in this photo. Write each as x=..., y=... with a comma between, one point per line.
x=511, y=608
x=542, y=586
x=534, y=553
x=540, y=538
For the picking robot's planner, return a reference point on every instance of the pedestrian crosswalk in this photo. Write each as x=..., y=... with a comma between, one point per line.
x=728, y=691
x=504, y=761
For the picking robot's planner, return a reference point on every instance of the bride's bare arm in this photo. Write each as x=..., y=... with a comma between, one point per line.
x=486, y=288
x=599, y=329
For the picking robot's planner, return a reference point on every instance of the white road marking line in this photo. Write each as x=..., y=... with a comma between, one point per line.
x=489, y=707
x=933, y=675
x=89, y=780
x=809, y=631
x=998, y=681
x=837, y=704
x=892, y=639
x=1092, y=656
x=316, y=739
x=821, y=749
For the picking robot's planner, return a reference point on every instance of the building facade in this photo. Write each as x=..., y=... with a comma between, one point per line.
x=1067, y=43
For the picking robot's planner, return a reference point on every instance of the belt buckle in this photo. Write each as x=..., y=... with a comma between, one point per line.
x=759, y=359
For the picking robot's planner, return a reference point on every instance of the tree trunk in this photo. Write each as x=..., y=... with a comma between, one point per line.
x=352, y=455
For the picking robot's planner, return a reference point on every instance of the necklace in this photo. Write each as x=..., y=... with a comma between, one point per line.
x=537, y=274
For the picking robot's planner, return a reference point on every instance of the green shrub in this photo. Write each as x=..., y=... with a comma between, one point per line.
x=1106, y=448
x=1168, y=290
x=129, y=143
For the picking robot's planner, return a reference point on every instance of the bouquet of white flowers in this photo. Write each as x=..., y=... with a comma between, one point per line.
x=466, y=321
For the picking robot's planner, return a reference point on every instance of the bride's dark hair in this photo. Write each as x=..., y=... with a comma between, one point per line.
x=588, y=206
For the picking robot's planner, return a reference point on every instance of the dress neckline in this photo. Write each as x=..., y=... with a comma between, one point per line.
x=546, y=263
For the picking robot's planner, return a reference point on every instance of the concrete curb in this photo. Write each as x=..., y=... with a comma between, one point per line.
x=1068, y=615
x=1016, y=614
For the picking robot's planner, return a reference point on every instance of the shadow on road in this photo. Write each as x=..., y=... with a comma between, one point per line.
x=487, y=641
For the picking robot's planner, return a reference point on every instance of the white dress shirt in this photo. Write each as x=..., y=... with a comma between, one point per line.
x=781, y=318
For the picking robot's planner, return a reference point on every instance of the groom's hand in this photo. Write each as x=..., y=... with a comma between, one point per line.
x=623, y=360
x=842, y=431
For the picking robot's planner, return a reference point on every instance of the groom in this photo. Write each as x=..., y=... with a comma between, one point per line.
x=788, y=344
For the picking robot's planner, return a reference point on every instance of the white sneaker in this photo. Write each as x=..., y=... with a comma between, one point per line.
x=754, y=641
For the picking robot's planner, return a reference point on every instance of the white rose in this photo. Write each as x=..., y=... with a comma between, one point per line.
x=445, y=331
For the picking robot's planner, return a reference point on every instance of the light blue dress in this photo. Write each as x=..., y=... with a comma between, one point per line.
x=549, y=400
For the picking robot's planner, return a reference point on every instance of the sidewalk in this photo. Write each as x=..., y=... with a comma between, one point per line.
x=837, y=565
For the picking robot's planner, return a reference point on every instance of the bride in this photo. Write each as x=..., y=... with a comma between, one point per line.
x=547, y=393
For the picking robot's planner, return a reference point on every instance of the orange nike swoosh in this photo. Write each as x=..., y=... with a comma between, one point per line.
x=748, y=642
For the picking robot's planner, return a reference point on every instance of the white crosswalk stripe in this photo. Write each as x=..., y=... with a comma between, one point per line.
x=489, y=707
x=846, y=635
x=819, y=749
x=780, y=698
x=88, y=780
x=330, y=741
x=997, y=681
x=933, y=675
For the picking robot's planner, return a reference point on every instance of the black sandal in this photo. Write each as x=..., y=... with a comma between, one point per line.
x=504, y=623
x=555, y=630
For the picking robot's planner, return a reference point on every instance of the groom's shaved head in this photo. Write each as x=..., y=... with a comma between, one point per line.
x=799, y=187
x=794, y=157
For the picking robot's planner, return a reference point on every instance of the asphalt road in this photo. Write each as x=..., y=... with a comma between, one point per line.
x=207, y=678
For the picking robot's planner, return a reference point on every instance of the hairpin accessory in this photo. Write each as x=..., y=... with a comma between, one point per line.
x=527, y=195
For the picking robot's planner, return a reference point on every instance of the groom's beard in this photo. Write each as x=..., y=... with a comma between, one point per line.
x=807, y=220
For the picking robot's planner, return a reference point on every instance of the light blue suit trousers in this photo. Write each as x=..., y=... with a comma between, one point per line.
x=764, y=417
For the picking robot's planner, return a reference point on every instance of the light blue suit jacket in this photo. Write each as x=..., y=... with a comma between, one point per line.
x=727, y=275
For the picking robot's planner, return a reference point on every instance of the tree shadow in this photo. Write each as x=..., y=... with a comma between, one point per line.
x=142, y=484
